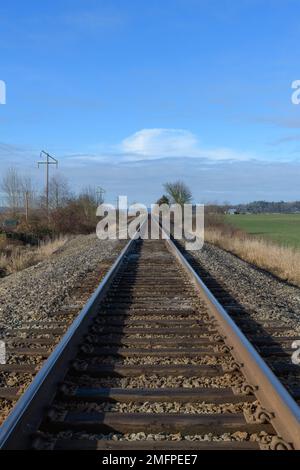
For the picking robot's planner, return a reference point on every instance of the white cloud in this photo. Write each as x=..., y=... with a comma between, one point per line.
x=161, y=143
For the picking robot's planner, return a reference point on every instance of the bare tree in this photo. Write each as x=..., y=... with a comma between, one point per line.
x=59, y=191
x=11, y=185
x=88, y=201
x=178, y=192
x=95, y=195
x=90, y=194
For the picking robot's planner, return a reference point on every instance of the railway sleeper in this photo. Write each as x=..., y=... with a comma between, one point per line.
x=54, y=443
x=94, y=351
x=96, y=422
x=103, y=370
x=196, y=395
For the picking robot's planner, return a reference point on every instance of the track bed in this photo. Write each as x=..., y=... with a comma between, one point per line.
x=151, y=370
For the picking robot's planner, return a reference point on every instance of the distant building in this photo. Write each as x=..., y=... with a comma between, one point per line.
x=232, y=211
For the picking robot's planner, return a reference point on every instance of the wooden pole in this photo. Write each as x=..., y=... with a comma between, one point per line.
x=27, y=205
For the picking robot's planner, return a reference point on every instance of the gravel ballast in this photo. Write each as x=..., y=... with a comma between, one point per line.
x=37, y=292
x=155, y=381
x=263, y=296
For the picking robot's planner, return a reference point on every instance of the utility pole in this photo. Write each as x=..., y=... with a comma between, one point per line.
x=26, y=205
x=49, y=161
x=28, y=196
x=100, y=192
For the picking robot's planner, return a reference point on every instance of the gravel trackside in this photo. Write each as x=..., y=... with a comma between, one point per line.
x=262, y=295
x=36, y=292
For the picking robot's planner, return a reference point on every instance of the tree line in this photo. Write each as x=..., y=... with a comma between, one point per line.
x=67, y=212
x=258, y=207
x=64, y=211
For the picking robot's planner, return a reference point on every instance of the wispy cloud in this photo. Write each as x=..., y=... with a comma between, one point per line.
x=145, y=162
x=158, y=143
x=285, y=140
x=287, y=122
x=237, y=181
x=152, y=144
x=11, y=154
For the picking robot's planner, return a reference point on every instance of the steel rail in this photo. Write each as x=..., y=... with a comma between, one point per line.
x=24, y=419
x=273, y=396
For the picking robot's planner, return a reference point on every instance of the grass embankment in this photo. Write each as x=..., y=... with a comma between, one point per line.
x=17, y=257
x=258, y=248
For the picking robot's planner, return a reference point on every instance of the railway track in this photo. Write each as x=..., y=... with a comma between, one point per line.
x=151, y=362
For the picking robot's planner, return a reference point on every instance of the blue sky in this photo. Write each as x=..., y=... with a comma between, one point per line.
x=129, y=94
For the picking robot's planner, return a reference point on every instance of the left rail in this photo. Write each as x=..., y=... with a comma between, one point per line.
x=26, y=415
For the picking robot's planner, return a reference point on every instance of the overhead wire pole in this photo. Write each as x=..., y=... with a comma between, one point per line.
x=100, y=192
x=49, y=161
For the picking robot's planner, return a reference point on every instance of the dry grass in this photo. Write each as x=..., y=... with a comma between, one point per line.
x=282, y=261
x=3, y=262
x=16, y=258
x=3, y=242
x=47, y=249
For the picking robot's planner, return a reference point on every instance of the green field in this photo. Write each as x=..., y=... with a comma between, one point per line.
x=281, y=228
